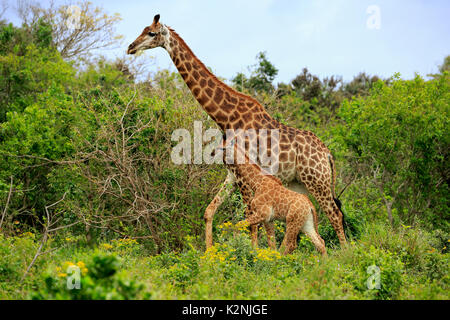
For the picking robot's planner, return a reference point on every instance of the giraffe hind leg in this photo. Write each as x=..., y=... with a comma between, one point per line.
x=290, y=238
x=319, y=187
x=310, y=229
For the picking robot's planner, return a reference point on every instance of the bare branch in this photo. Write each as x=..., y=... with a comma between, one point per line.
x=48, y=223
x=7, y=202
x=76, y=33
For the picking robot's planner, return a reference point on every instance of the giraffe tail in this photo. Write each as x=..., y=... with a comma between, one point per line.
x=333, y=175
x=333, y=183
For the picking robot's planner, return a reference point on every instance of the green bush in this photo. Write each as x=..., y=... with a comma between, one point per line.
x=365, y=260
x=398, y=136
x=15, y=253
x=101, y=280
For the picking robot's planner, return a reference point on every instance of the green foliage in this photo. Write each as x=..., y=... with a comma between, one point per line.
x=262, y=75
x=29, y=65
x=12, y=252
x=410, y=268
x=390, y=271
x=103, y=139
x=399, y=137
x=101, y=282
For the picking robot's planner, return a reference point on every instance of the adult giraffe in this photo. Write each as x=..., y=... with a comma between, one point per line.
x=304, y=160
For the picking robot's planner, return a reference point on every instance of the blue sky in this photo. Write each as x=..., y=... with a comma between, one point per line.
x=329, y=37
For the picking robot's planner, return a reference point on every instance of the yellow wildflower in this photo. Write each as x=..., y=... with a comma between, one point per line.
x=106, y=246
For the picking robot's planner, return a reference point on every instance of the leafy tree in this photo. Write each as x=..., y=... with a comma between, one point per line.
x=445, y=66
x=261, y=77
x=29, y=65
x=399, y=137
x=74, y=37
x=360, y=85
x=308, y=86
x=326, y=93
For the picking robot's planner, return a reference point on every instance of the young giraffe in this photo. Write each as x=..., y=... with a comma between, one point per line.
x=272, y=201
x=304, y=160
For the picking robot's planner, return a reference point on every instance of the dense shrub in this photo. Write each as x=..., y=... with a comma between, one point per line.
x=99, y=279
x=398, y=136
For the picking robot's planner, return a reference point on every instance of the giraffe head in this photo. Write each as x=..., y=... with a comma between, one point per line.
x=155, y=35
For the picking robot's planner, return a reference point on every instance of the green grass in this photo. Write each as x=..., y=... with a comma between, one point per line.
x=413, y=264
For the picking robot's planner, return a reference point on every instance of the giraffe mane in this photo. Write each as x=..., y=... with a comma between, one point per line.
x=221, y=83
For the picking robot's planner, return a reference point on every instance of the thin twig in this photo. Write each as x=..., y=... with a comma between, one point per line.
x=7, y=202
x=47, y=231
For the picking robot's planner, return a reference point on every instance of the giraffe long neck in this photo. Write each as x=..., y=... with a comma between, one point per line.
x=229, y=108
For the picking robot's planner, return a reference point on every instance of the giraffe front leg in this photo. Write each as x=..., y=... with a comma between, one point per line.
x=227, y=187
x=257, y=215
x=253, y=228
x=270, y=230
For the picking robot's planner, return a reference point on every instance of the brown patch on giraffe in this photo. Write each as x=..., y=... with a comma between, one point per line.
x=203, y=99
x=241, y=108
x=196, y=75
x=218, y=96
x=210, y=108
x=306, y=152
x=227, y=107
x=234, y=116
x=190, y=83
x=247, y=117
x=239, y=124
x=188, y=66
x=211, y=84
x=209, y=92
x=195, y=65
x=196, y=91
x=202, y=83
x=292, y=156
x=221, y=117
x=227, y=96
x=284, y=139
x=283, y=157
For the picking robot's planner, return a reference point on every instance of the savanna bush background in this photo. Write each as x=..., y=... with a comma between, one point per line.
x=86, y=142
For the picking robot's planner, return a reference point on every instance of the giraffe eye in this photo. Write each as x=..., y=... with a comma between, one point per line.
x=152, y=34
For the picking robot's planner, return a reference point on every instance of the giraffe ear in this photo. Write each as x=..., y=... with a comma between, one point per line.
x=156, y=19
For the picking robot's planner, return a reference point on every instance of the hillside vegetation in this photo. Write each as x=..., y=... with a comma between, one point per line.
x=86, y=180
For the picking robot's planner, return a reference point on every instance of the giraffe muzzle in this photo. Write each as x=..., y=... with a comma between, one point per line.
x=132, y=48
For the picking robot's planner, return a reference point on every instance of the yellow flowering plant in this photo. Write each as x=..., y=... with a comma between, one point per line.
x=63, y=270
